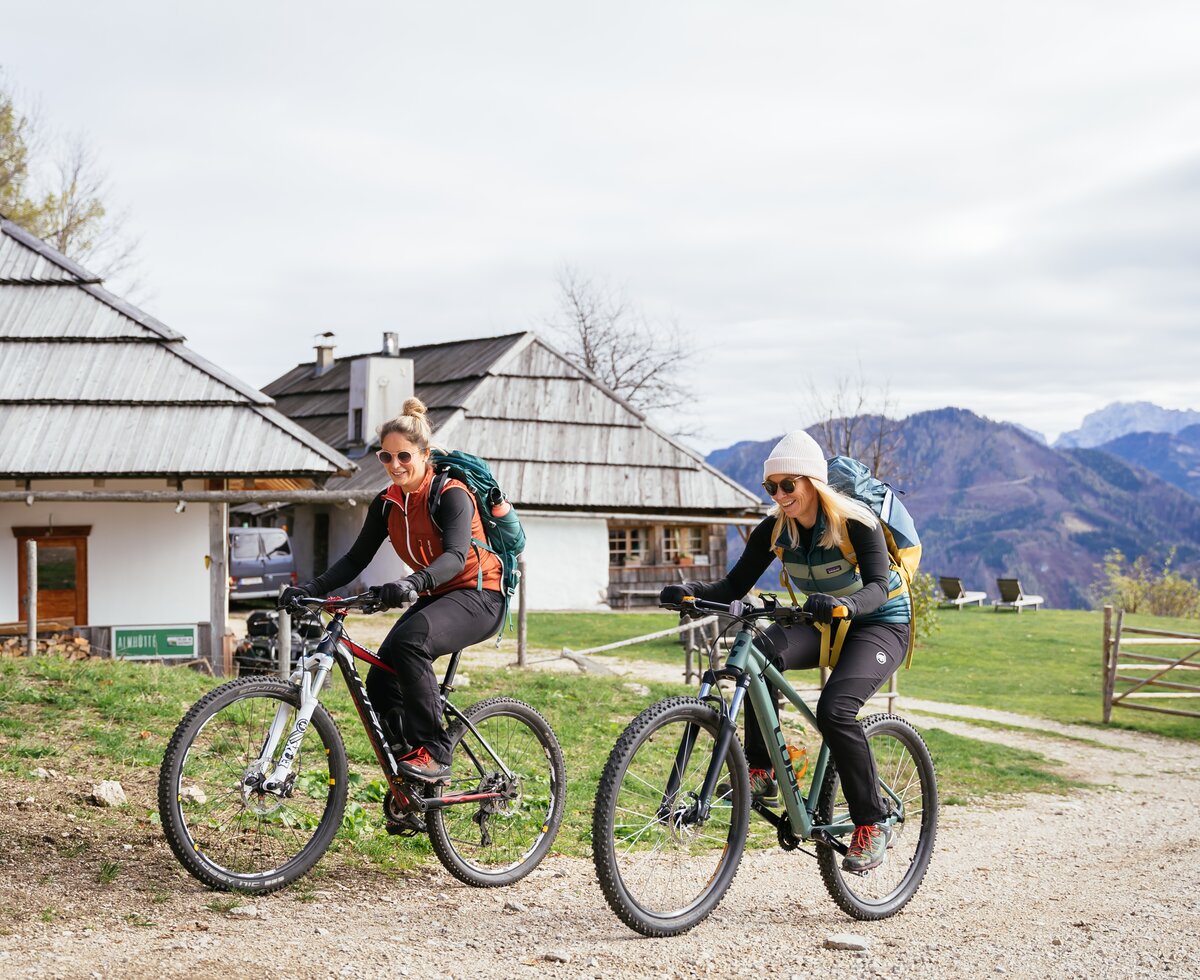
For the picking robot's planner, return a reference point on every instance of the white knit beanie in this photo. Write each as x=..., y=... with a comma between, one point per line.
x=797, y=454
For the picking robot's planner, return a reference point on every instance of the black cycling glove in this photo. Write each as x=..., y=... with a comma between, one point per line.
x=821, y=606
x=292, y=593
x=393, y=595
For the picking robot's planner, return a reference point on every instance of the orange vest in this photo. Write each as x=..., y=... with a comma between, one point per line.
x=418, y=541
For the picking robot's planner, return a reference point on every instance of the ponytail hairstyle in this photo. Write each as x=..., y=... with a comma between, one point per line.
x=410, y=423
x=838, y=509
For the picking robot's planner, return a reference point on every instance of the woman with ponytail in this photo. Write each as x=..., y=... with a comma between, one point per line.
x=453, y=593
x=807, y=528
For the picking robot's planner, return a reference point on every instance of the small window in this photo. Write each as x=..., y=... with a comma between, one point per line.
x=626, y=545
x=275, y=542
x=678, y=541
x=243, y=546
x=358, y=426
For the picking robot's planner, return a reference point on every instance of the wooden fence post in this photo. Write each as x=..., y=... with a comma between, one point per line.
x=31, y=609
x=522, y=621
x=283, y=644
x=1105, y=653
x=1114, y=654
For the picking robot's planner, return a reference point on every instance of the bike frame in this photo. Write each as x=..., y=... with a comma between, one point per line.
x=310, y=675
x=751, y=672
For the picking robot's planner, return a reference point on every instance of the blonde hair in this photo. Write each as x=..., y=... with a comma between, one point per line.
x=838, y=510
x=410, y=423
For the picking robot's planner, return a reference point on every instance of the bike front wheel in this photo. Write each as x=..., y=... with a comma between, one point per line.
x=908, y=783
x=510, y=781
x=664, y=860
x=223, y=827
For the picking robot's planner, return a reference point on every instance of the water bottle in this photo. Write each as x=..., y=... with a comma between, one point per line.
x=500, y=504
x=798, y=758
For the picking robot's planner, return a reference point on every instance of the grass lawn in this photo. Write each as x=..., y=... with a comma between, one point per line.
x=103, y=719
x=1045, y=663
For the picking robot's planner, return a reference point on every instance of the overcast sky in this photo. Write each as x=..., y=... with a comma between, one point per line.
x=989, y=206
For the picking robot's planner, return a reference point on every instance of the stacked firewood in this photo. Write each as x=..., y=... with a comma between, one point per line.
x=53, y=644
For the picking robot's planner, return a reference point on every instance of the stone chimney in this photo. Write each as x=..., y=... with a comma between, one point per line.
x=379, y=384
x=324, y=349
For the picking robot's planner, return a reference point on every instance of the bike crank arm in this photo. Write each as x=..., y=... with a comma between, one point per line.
x=441, y=802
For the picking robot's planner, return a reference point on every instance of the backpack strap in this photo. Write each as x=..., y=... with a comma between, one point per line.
x=783, y=576
x=833, y=636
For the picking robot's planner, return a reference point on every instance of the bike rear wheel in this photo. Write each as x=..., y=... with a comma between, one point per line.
x=224, y=830
x=909, y=783
x=499, y=840
x=663, y=865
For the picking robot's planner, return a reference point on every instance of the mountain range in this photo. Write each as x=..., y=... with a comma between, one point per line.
x=991, y=500
x=1124, y=418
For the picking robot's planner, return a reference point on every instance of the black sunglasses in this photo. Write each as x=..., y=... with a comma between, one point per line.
x=786, y=485
x=385, y=457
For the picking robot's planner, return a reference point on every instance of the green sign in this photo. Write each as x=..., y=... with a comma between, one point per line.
x=133, y=642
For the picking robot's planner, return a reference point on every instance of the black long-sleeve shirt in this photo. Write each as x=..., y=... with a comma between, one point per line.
x=453, y=515
x=871, y=556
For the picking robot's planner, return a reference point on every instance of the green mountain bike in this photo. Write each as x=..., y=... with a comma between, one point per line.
x=673, y=807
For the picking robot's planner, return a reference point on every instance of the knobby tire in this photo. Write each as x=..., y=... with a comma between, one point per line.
x=904, y=764
x=497, y=842
x=661, y=870
x=249, y=841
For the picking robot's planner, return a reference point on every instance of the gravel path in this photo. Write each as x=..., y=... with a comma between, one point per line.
x=1101, y=883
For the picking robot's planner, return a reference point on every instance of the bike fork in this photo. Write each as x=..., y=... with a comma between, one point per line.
x=311, y=682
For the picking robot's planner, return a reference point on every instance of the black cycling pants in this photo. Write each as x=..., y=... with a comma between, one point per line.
x=870, y=655
x=407, y=701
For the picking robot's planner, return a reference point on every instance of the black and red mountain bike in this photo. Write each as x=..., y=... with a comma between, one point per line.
x=253, y=784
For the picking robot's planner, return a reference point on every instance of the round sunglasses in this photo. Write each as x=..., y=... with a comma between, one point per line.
x=385, y=457
x=787, y=485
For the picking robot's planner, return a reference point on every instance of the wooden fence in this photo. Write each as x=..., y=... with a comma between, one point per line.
x=1124, y=685
x=697, y=637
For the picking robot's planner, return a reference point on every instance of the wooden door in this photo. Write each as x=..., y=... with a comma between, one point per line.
x=61, y=572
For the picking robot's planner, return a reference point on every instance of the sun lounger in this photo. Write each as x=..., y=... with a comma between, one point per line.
x=955, y=595
x=1012, y=596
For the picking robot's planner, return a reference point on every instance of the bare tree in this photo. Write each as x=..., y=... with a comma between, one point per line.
x=75, y=220
x=606, y=335
x=66, y=209
x=856, y=419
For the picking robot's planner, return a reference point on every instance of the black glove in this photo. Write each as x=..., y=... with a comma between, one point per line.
x=673, y=595
x=392, y=595
x=292, y=593
x=821, y=607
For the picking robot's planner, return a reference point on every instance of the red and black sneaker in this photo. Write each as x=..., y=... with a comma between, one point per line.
x=868, y=847
x=419, y=764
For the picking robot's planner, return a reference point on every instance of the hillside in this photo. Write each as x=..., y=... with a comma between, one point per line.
x=991, y=501
x=1175, y=457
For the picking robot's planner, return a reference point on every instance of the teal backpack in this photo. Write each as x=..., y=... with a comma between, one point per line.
x=899, y=530
x=505, y=536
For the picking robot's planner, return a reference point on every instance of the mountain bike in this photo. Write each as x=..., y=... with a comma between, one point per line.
x=673, y=806
x=253, y=784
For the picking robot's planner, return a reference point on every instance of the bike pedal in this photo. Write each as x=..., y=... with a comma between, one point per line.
x=410, y=826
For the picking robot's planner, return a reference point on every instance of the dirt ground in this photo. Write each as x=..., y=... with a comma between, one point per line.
x=1098, y=883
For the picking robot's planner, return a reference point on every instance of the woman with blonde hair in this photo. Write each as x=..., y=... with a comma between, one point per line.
x=454, y=590
x=807, y=527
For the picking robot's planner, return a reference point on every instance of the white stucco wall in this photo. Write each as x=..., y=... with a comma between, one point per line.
x=145, y=562
x=566, y=559
x=344, y=526
x=566, y=562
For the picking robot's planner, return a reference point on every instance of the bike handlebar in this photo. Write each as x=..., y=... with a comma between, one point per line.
x=367, y=602
x=785, y=615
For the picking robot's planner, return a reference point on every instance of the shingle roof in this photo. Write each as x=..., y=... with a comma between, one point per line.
x=92, y=386
x=555, y=436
